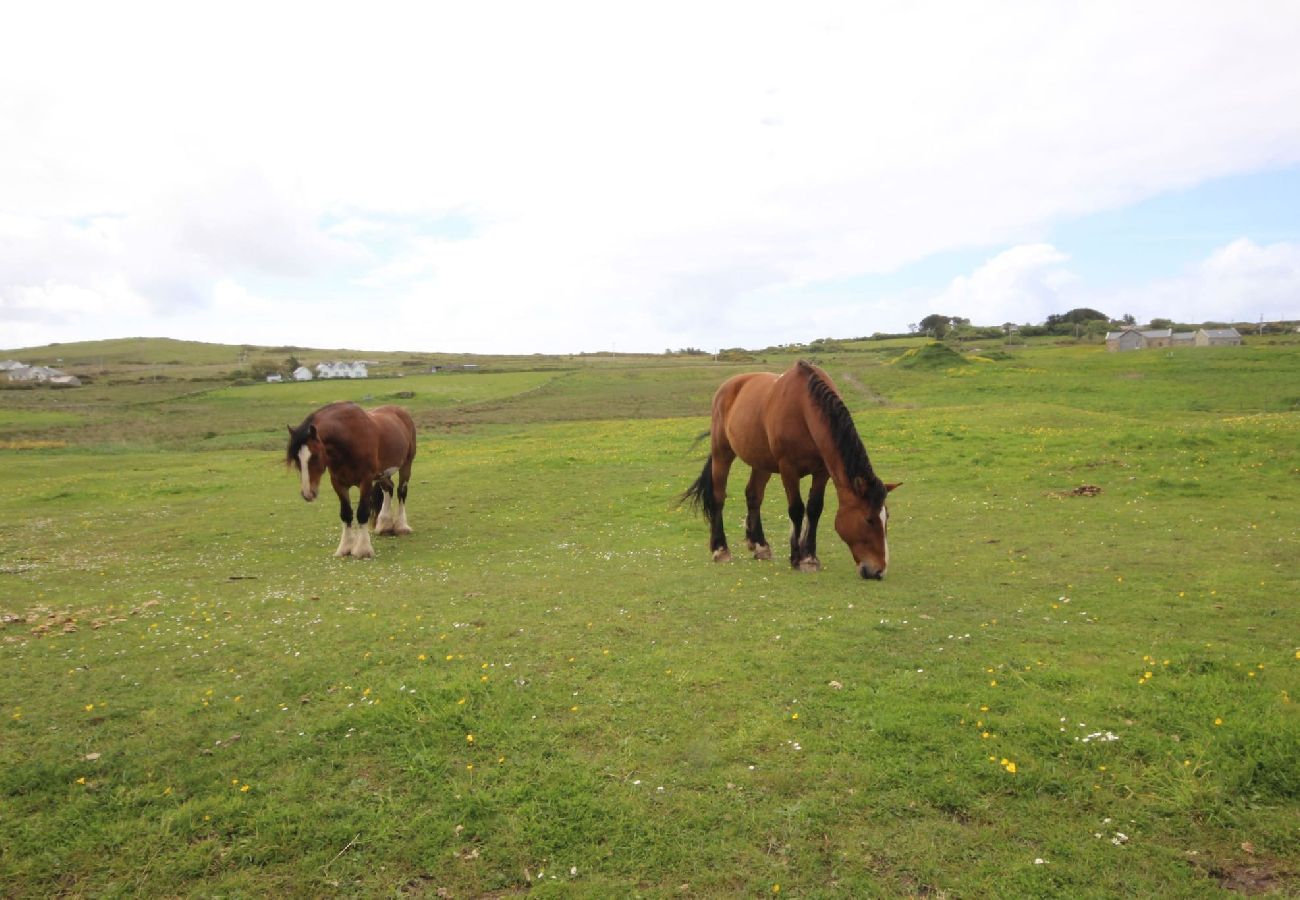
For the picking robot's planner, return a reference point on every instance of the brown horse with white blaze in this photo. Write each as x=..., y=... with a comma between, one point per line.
x=794, y=424
x=362, y=449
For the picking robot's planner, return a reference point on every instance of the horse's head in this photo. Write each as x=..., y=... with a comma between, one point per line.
x=863, y=522
x=306, y=451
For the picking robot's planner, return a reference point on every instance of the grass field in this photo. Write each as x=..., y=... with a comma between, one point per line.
x=549, y=687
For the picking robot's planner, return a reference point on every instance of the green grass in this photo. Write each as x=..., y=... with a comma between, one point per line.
x=177, y=631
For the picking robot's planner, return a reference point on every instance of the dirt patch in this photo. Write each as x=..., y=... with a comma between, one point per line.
x=1083, y=490
x=1248, y=878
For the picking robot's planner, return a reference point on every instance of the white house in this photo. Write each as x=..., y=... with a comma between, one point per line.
x=341, y=370
x=42, y=375
x=7, y=364
x=274, y=378
x=34, y=373
x=302, y=373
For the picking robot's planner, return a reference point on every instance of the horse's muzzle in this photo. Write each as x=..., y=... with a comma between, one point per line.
x=309, y=496
x=871, y=574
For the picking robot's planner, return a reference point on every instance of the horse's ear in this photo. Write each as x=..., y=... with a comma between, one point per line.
x=860, y=486
x=890, y=487
x=290, y=427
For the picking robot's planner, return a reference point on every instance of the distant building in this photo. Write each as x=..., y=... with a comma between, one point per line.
x=33, y=373
x=1152, y=338
x=302, y=373
x=1157, y=337
x=1218, y=337
x=1128, y=339
x=7, y=364
x=274, y=378
x=42, y=375
x=342, y=370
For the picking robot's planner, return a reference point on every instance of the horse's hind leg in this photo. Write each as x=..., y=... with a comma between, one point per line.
x=400, y=526
x=382, y=496
x=754, y=514
x=721, y=468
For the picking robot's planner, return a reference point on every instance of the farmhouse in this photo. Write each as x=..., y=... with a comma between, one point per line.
x=341, y=370
x=302, y=373
x=274, y=378
x=1128, y=339
x=1218, y=337
x=1152, y=338
x=7, y=364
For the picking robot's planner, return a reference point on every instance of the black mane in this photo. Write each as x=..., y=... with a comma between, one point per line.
x=857, y=465
x=297, y=437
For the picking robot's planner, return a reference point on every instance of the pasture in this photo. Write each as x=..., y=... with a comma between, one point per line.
x=549, y=687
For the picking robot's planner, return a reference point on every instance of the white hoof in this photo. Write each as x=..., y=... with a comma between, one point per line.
x=722, y=555
x=345, y=543
x=810, y=564
x=762, y=551
x=361, y=548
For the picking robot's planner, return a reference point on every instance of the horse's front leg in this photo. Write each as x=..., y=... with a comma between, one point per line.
x=345, y=513
x=816, y=501
x=795, y=508
x=754, y=514
x=798, y=522
x=361, y=547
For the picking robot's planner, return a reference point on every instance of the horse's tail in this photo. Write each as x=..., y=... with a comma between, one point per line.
x=700, y=494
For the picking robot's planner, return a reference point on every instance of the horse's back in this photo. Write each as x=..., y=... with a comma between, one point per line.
x=739, y=410
x=761, y=417
x=396, y=431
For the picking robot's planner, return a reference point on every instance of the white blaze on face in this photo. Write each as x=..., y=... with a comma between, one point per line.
x=884, y=524
x=304, y=454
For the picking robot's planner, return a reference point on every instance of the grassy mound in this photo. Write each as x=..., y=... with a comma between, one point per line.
x=934, y=355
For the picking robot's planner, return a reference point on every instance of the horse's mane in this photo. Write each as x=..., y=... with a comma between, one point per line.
x=297, y=437
x=857, y=465
x=300, y=435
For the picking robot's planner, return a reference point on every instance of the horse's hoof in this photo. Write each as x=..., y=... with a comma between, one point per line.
x=762, y=551
x=811, y=564
x=366, y=553
x=402, y=529
x=722, y=555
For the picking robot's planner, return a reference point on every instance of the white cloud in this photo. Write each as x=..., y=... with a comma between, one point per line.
x=1024, y=284
x=644, y=176
x=1239, y=282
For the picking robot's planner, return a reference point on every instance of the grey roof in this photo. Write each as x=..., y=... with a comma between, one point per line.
x=1158, y=333
x=6, y=364
x=1221, y=332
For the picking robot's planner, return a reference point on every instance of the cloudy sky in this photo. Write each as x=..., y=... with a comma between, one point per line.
x=556, y=177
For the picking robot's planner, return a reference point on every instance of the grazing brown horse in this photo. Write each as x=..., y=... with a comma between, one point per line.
x=362, y=449
x=794, y=424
